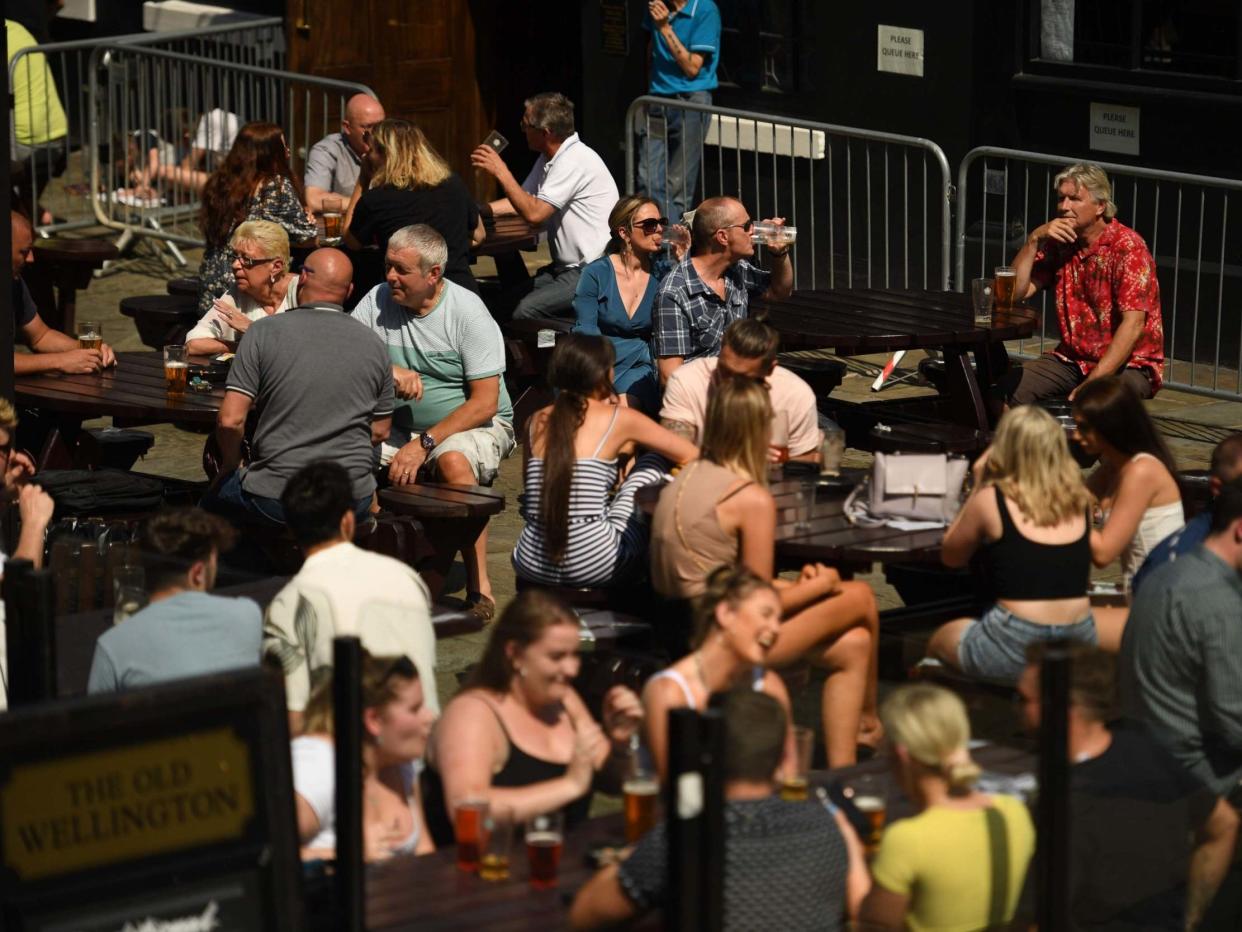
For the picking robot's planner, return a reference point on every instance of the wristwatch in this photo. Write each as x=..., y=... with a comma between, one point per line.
x=427, y=442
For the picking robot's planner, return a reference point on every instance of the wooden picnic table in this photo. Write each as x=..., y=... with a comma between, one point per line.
x=62, y=267
x=858, y=321
x=132, y=392
x=430, y=892
x=830, y=537
x=453, y=516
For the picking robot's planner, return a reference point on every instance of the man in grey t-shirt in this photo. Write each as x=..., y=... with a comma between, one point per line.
x=333, y=163
x=322, y=384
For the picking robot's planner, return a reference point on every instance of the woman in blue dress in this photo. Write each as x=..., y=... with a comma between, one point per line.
x=616, y=295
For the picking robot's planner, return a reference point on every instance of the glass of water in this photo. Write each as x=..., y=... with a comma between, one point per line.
x=129, y=585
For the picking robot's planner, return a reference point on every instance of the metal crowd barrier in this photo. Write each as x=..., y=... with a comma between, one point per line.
x=872, y=209
x=1004, y=193
x=147, y=100
x=56, y=165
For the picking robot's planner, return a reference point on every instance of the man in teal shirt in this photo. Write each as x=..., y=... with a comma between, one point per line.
x=453, y=421
x=682, y=54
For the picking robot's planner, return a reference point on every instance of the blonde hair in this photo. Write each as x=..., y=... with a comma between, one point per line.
x=737, y=427
x=1031, y=464
x=8, y=415
x=268, y=236
x=409, y=161
x=931, y=724
x=1093, y=178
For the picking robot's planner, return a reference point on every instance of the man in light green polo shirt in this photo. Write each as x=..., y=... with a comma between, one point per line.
x=453, y=421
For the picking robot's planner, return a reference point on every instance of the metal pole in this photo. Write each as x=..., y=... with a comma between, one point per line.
x=347, y=725
x=1054, y=786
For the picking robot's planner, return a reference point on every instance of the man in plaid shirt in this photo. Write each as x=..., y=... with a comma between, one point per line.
x=712, y=286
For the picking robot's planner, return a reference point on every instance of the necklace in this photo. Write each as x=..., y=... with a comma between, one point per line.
x=698, y=668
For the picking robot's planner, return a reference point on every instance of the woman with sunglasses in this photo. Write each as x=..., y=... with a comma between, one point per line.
x=254, y=182
x=617, y=291
x=262, y=285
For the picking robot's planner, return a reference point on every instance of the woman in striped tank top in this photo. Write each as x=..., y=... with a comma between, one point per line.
x=581, y=528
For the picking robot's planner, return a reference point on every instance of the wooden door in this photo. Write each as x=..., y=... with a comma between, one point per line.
x=419, y=56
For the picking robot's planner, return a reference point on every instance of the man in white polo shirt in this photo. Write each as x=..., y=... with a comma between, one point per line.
x=569, y=191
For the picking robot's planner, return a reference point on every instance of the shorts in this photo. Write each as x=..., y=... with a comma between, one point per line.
x=1049, y=376
x=994, y=646
x=483, y=447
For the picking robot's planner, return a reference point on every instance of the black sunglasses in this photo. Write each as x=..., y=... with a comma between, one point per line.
x=746, y=227
x=651, y=224
x=247, y=262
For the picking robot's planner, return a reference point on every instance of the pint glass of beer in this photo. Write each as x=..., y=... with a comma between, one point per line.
x=795, y=777
x=545, y=837
x=333, y=215
x=871, y=799
x=497, y=835
x=90, y=334
x=1004, y=286
x=468, y=826
x=175, y=368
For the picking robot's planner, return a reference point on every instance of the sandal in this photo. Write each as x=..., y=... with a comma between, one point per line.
x=480, y=606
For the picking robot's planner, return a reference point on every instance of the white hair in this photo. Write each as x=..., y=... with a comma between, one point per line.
x=430, y=245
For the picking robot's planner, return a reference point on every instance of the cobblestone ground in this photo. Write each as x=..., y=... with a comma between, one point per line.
x=177, y=453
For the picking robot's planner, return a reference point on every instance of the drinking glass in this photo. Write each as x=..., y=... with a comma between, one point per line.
x=780, y=438
x=805, y=502
x=797, y=770
x=641, y=790
x=870, y=797
x=333, y=213
x=981, y=297
x=90, y=334
x=773, y=234
x=831, y=451
x=468, y=827
x=129, y=590
x=497, y=839
x=175, y=368
x=677, y=237
x=545, y=837
x=1004, y=285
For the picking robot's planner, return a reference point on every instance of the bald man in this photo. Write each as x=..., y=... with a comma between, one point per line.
x=334, y=162
x=322, y=385
x=50, y=350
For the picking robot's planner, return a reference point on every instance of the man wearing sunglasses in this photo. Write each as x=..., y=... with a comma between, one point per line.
x=569, y=192
x=711, y=288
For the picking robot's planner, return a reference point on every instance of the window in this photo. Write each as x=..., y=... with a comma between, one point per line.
x=758, y=45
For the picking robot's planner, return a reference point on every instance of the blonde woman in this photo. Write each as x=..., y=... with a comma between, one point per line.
x=262, y=285
x=719, y=511
x=405, y=181
x=933, y=871
x=1027, y=519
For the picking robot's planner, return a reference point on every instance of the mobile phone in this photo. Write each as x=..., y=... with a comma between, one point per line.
x=496, y=141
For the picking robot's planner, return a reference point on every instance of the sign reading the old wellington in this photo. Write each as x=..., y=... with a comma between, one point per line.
x=85, y=811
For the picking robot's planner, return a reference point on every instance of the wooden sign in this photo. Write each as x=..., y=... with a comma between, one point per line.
x=614, y=27
x=168, y=807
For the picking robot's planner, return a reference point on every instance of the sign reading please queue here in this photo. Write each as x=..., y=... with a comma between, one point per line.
x=89, y=810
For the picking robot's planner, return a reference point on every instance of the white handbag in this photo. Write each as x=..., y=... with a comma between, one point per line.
x=917, y=486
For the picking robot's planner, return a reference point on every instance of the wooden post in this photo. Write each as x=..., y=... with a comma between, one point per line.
x=347, y=725
x=694, y=803
x=30, y=632
x=1052, y=824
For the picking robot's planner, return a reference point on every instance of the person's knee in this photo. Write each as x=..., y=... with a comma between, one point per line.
x=862, y=597
x=456, y=468
x=852, y=649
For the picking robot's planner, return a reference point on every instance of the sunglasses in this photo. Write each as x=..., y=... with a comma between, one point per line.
x=651, y=224
x=746, y=227
x=247, y=262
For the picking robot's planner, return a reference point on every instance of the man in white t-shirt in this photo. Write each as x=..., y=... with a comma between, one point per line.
x=342, y=590
x=748, y=349
x=570, y=191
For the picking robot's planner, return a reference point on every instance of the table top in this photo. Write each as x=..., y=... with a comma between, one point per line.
x=856, y=321
x=92, y=252
x=440, y=500
x=133, y=390
x=508, y=233
x=430, y=891
x=830, y=537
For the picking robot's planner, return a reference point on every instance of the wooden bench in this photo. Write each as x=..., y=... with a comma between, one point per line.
x=912, y=425
x=453, y=516
x=161, y=319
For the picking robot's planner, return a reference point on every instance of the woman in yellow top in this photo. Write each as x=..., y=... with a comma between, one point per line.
x=933, y=871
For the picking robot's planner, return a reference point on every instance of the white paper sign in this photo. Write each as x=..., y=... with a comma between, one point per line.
x=900, y=50
x=1115, y=128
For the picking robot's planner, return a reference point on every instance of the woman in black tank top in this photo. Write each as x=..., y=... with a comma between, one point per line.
x=1026, y=525
x=518, y=735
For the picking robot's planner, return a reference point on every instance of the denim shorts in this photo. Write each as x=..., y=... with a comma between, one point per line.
x=994, y=646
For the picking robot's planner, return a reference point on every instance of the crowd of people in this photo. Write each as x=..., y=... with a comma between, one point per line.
x=667, y=380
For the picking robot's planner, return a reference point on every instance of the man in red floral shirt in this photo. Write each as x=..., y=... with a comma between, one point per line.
x=1107, y=296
